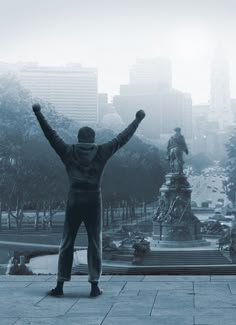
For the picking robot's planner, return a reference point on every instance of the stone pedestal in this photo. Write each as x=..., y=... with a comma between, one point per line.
x=175, y=224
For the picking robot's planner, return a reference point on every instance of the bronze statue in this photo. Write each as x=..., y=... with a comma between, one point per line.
x=175, y=148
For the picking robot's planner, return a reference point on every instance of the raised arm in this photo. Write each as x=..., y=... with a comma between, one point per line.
x=56, y=142
x=122, y=138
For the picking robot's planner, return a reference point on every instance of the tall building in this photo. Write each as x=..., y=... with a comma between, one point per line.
x=103, y=105
x=220, y=104
x=165, y=107
x=155, y=71
x=207, y=136
x=71, y=89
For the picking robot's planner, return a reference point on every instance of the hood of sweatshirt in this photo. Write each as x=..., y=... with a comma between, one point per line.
x=84, y=153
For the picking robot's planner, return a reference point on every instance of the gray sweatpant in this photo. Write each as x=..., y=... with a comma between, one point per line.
x=82, y=207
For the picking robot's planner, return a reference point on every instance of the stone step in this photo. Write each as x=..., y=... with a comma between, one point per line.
x=208, y=257
x=161, y=270
x=185, y=258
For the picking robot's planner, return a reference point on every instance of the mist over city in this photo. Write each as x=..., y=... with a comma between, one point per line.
x=132, y=47
x=124, y=110
x=111, y=35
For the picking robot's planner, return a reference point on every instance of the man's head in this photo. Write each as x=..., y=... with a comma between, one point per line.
x=177, y=130
x=86, y=134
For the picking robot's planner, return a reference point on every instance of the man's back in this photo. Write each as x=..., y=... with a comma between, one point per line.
x=85, y=162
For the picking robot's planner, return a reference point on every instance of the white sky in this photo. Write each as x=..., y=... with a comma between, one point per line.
x=112, y=34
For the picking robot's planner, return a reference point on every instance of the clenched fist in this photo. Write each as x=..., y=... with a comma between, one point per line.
x=140, y=115
x=36, y=108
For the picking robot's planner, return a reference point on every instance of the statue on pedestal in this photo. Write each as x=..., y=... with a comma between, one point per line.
x=175, y=148
x=174, y=223
x=232, y=246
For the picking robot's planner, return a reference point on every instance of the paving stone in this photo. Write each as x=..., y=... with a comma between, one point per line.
x=87, y=320
x=223, y=278
x=74, y=278
x=140, y=301
x=215, y=301
x=130, y=278
x=173, y=301
x=147, y=292
x=94, y=307
x=104, y=278
x=114, y=288
x=83, y=278
x=159, y=285
x=177, y=278
x=141, y=307
x=115, y=283
x=215, y=316
x=24, y=309
x=51, y=284
x=142, y=320
x=173, y=311
x=232, y=286
x=7, y=321
x=108, y=299
x=51, y=278
x=64, y=302
x=24, y=278
x=214, y=288
x=20, y=295
x=14, y=284
x=129, y=292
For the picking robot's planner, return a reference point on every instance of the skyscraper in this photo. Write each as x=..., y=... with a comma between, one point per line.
x=220, y=104
x=155, y=71
x=150, y=89
x=72, y=89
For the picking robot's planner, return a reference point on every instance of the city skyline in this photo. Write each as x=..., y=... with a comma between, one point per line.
x=112, y=36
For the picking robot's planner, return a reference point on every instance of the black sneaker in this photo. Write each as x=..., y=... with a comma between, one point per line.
x=56, y=293
x=95, y=292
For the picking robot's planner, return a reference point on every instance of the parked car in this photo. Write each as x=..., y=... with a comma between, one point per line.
x=205, y=204
x=193, y=204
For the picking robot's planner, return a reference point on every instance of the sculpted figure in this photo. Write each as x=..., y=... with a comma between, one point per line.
x=175, y=149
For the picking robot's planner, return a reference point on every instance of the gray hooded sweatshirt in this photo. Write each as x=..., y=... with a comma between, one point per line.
x=85, y=162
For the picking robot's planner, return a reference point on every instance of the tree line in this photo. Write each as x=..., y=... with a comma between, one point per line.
x=32, y=177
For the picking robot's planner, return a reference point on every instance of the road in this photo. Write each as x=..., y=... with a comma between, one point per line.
x=208, y=187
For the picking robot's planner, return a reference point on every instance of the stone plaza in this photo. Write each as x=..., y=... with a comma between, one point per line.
x=134, y=300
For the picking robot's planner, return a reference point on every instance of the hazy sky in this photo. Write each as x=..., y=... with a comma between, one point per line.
x=112, y=34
